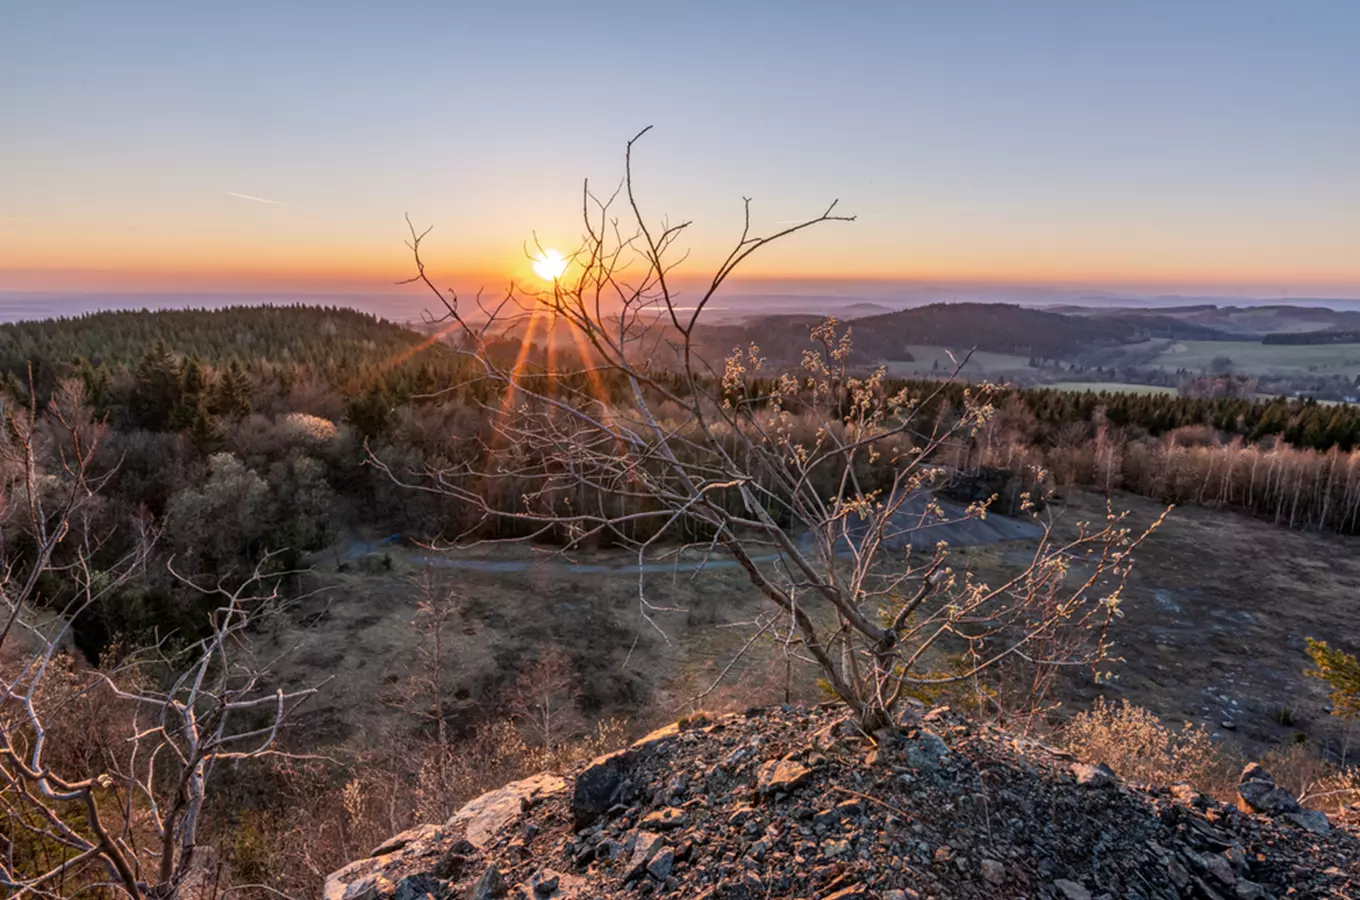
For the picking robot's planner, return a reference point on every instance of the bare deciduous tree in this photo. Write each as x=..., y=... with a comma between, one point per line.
x=121, y=809
x=816, y=479
x=543, y=698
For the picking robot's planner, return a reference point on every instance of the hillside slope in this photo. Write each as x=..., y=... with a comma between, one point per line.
x=311, y=335
x=795, y=803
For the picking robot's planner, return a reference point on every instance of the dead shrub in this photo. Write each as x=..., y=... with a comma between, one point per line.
x=1142, y=748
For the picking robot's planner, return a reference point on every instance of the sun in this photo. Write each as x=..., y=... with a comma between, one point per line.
x=550, y=265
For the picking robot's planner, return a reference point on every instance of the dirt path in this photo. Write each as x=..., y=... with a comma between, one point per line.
x=914, y=525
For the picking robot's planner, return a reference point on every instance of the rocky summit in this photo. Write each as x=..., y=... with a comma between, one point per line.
x=799, y=803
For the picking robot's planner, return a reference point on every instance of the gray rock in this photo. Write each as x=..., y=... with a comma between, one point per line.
x=405, y=839
x=645, y=848
x=420, y=887
x=926, y=751
x=1220, y=868
x=1259, y=793
x=368, y=888
x=661, y=865
x=1071, y=890
x=1096, y=776
x=492, y=811
x=1311, y=820
x=598, y=784
x=993, y=872
x=781, y=775
x=491, y=886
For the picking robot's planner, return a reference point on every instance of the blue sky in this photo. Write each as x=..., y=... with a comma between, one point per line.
x=1154, y=143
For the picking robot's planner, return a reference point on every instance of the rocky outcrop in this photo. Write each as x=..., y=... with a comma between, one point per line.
x=1259, y=793
x=798, y=803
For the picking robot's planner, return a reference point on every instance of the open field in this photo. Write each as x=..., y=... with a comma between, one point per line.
x=1213, y=628
x=1264, y=359
x=980, y=364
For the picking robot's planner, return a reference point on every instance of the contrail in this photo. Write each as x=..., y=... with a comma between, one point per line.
x=261, y=200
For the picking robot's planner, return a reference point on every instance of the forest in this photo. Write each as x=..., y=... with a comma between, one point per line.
x=224, y=442
x=242, y=431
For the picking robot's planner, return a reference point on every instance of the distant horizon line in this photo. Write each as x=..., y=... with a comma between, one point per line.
x=775, y=288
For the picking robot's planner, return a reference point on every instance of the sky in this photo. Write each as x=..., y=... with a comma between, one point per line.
x=277, y=146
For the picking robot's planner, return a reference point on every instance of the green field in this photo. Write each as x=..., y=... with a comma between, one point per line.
x=1112, y=387
x=981, y=364
x=1263, y=359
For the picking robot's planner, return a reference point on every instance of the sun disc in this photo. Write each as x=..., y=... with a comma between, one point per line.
x=550, y=265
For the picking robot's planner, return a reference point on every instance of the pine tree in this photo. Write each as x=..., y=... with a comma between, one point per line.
x=1341, y=671
x=232, y=395
x=155, y=393
x=191, y=405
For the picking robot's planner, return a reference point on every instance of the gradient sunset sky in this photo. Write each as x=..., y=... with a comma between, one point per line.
x=277, y=145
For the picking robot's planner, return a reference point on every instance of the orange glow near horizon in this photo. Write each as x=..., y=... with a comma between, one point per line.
x=830, y=255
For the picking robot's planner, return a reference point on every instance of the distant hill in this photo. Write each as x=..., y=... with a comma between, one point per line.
x=325, y=339
x=991, y=327
x=1248, y=322
x=1018, y=330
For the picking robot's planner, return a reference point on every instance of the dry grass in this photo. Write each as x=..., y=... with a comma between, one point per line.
x=1141, y=748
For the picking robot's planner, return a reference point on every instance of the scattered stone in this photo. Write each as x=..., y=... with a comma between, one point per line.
x=661, y=865
x=781, y=775
x=491, y=886
x=1220, y=868
x=1071, y=890
x=833, y=849
x=647, y=846
x=664, y=819
x=1259, y=793
x=986, y=815
x=1099, y=775
x=927, y=751
x=855, y=890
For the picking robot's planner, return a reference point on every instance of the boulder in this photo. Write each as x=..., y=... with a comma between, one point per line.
x=1259, y=793
x=492, y=811
x=599, y=786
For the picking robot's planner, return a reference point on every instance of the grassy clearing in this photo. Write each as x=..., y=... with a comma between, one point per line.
x=980, y=364
x=1218, y=607
x=360, y=633
x=1264, y=359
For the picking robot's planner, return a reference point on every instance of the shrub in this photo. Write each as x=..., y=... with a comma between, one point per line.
x=1318, y=783
x=1141, y=748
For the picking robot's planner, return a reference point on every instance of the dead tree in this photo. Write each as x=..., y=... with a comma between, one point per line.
x=812, y=478
x=124, y=811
